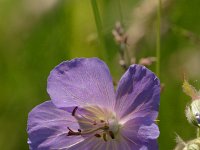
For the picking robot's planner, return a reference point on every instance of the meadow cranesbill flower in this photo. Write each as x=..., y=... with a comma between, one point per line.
x=85, y=112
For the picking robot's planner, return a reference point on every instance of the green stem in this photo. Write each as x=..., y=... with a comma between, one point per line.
x=198, y=133
x=98, y=22
x=158, y=38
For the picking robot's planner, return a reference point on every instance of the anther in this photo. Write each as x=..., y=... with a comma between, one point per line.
x=74, y=111
x=97, y=135
x=94, y=123
x=111, y=134
x=71, y=132
x=102, y=121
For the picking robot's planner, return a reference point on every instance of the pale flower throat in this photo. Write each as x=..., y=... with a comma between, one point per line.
x=96, y=121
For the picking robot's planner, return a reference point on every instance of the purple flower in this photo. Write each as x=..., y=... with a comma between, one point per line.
x=85, y=113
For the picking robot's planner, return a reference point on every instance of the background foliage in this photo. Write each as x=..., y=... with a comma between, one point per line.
x=37, y=35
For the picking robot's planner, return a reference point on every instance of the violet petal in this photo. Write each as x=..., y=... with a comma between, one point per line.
x=94, y=143
x=151, y=145
x=47, y=128
x=141, y=132
x=80, y=82
x=138, y=94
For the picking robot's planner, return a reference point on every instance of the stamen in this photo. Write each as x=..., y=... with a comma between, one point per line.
x=74, y=111
x=88, y=119
x=104, y=137
x=69, y=129
x=111, y=134
x=99, y=126
x=71, y=132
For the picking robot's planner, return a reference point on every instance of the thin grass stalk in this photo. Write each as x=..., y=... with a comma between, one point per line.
x=158, y=45
x=98, y=22
x=120, y=12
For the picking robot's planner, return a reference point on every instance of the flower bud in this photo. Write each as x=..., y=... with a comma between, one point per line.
x=192, y=110
x=180, y=143
x=191, y=145
x=193, y=113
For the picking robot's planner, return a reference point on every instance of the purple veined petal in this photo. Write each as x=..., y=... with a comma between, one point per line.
x=94, y=143
x=125, y=144
x=119, y=144
x=88, y=144
x=138, y=94
x=47, y=128
x=142, y=133
x=152, y=145
x=80, y=82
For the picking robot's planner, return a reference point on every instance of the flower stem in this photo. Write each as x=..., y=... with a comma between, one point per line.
x=98, y=22
x=158, y=37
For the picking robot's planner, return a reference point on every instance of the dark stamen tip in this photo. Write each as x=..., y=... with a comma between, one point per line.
x=94, y=123
x=111, y=134
x=71, y=132
x=74, y=111
x=102, y=121
x=97, y=135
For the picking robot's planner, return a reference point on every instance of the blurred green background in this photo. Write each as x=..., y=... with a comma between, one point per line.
x=37, y=35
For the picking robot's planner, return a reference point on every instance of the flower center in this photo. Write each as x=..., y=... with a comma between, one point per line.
x=96, y=121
